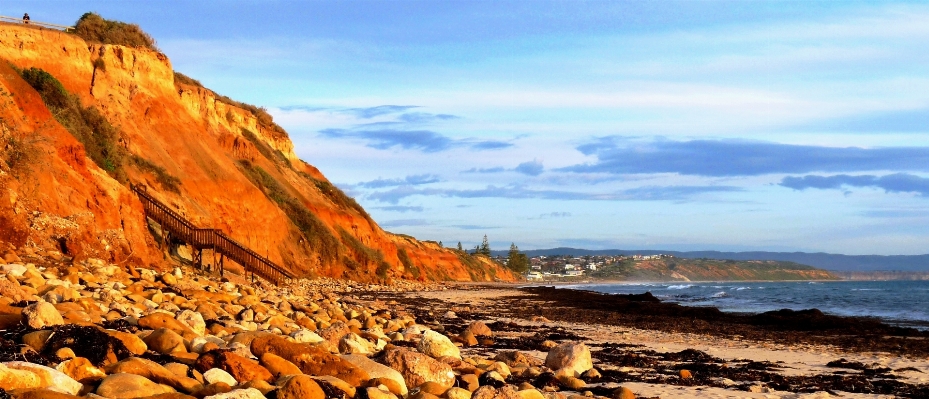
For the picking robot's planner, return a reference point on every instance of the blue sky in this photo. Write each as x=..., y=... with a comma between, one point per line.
x=693, y=125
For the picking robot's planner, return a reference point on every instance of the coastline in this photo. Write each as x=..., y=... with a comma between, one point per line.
x=782, y=356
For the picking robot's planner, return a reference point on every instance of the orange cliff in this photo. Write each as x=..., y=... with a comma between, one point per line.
x=254, y=188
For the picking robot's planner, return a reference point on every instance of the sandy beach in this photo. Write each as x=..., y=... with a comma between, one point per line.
x=803, y=360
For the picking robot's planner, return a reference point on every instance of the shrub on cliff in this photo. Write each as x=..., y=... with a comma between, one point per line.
x=87, y=125
x=94, y=28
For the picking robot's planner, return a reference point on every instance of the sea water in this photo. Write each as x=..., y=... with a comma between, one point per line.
x=901, y=303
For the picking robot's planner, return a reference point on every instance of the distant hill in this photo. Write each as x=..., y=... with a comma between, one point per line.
x=911, y=263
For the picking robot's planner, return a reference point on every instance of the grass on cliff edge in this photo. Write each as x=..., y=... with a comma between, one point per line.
x=101, y=140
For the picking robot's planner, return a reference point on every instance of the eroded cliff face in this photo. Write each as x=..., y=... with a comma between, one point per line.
x=235, y=174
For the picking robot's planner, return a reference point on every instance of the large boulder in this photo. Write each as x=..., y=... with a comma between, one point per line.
x=193, y=320
x=437, y=345
x=417, y=368
x=158, y=320
x=279, y=366
x=242, y=369
x=300, y=387
x=479, y=328
x=311, y=359
x=165, y=341
x=41, y=314
x=30, y=375
x=154, y=372
x=569, y=358
x=132, y=342
x=377, y=370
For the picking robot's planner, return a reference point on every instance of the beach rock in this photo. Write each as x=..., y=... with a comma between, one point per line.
x=492, y=378
x=336, y=383
x=238, y=367
x=572, y=383
x=193, y=320
x=467, y=338
x=154, y=372
x=458, y=393
x=512, y=358
x=11, y=378
x=41, y=314
x=165, y=341
x=306, y=336
x=377, y=370
x=301, y=387
x=377, y=393
x=334, y=333
x=36, y=339
x=471, y=382
x=248, y=393
x=591, y=374
x=622, y=393
x=489, y=392
x=80, y=369
x=685, y=374
x=279, y=366
x=215, y=388
x=417, y=368
x=16, y=375
x=479, y=328
x=569, y=358
x=422, y=395
x=132, y=342
x=353, y=344
x=128, y=386
x=531, y=393
x=260, y=385
x=311, y=359
x=437, y=345
x=169, y=279
x=158, y=320
x=218, y=375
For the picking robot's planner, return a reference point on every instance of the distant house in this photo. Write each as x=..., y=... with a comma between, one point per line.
x=534, y=276
x=574, y=272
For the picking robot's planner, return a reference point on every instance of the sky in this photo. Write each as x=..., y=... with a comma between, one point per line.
x=679, y=125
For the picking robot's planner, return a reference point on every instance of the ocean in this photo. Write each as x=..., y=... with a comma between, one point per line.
x=901, y=303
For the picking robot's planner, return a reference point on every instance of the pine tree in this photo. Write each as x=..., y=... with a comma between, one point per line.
x=484, y=248
x=460, y=248
x=516, y=261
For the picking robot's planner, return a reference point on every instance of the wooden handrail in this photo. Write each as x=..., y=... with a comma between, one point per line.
x=213, y=239
x=35, y=23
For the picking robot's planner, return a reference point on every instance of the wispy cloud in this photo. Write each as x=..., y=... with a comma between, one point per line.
x=553, y=215
x=893, y=183
x=371, y=112
x=651, y=193
x=423, y=140
x=623, y=155
x=531, y=168
x=411, y=180
x=497, y=169
x=424, y=117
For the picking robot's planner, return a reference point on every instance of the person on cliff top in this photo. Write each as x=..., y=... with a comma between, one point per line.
x=26, y=18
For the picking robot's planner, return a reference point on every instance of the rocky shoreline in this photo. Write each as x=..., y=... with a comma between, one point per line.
x=94, y=329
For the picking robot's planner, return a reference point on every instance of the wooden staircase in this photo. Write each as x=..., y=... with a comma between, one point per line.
x=182, y=230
